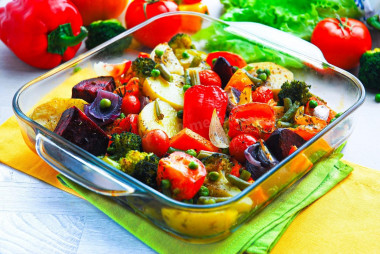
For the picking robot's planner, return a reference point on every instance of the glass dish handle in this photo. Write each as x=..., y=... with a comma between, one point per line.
x=69, y=163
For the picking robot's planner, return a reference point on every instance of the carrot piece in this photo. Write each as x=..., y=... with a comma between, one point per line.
x=188, y=139
x=239, y=80
x=258, y=196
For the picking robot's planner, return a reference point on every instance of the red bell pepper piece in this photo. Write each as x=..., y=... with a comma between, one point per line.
x=256, y=119
x=232, y=58
x=42, y=33
x=199, y=104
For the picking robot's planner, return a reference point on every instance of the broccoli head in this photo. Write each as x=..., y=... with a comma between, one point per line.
x=102, y=30
x=122, y=143
x=143, y=67
x=296, y=91
x=146, y=170
x=128, y=163
x=181, y=41
x=369, y=72
x=217, y=162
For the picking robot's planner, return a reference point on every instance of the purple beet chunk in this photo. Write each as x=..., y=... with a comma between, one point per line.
x=77, y=128
x=281, y=140
x=224, y=69
x=87, y=89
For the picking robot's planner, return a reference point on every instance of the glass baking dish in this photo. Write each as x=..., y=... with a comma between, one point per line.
x=189, y=222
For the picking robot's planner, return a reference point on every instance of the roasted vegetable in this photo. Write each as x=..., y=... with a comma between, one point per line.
x=103, y=30
x=181, y=41
x=281, y=141
x=122, y=143
x=259, y=159
x=146, y=170
x=87, y=89
x=77, y=128
x=129, y=161
x=143, y=66
x=164, y=55
x=369, y=73
x=295, y=90
x=224, y=69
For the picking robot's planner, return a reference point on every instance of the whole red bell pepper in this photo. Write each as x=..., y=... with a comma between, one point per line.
x=199, y=104
x=42, y=33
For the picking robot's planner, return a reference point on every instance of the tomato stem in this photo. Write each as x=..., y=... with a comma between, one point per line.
x=342, y=25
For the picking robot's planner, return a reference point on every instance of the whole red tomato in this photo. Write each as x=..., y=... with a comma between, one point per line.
x=156, y=141
x=130, y=105
x=342, y=41
x=160, y=30
x=239, y=144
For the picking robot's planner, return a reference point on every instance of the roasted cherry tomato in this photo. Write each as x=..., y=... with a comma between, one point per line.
x=262, y=94
x=190, y=1
x=342, y=41
x=160, y=30
x=209, y=78
x=128, y=123
x=256, y=119
x=129, y=88
x=130, y=105
x=185, y=180
x=156, y=141
x=143, y=55
x=232, y=58
x=239, y=144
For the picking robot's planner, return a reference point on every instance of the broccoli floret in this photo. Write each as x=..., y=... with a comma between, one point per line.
x=217, y=162
x=143, y=67
x=102, y=30
x=146, y=170
x=369, y=72
x=122, y=143
x=181, y=41
x=296, y=91
x=128, y=163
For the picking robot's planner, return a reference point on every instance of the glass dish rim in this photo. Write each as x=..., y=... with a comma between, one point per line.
x=146, y=189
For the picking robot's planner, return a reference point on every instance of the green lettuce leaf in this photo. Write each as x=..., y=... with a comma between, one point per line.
x=296, y=17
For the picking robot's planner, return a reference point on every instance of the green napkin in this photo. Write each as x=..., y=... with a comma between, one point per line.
x=259, y=235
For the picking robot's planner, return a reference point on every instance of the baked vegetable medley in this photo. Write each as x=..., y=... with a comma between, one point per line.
x=199, y=127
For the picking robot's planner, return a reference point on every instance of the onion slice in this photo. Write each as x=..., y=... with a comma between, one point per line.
x=216, y=132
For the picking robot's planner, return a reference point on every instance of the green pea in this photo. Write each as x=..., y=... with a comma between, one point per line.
x=192, y=152
x=259, y=70
x=267, y=71
x=180, y=114
x=155, y=73
x=204, y=191
x=105, y=103
x=377, y=97
x=313, y=103
x=213, y=176
x=209, y=201
x=159, y=52
x=185, y=55
x=165, y=184
x=262, y=76
x=185, y=87
x=122, y=115
x=176, y=191
x=193, y=165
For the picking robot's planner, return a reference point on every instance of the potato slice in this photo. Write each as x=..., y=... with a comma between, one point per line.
x=148, y=119
x=49, y=113
x=278, y=74
x=168, y=58
x=171, y=92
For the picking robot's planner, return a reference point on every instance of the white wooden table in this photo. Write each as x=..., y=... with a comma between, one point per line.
x=38, y=218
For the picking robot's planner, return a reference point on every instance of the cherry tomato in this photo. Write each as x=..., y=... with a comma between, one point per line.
x=130, y=105
x=262, y=94
x=128, y=123
x=156, y=141
x=342, y=41
x=184, y=182
x=143, y=55
x=239, y=144
x=129, y=88
x=158, y=32
x=232, y=58
x=210, y=78
x=256, y=119
x=191, y=1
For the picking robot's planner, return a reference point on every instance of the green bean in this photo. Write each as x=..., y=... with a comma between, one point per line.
x=254, y=80
x=291, y=112
x=194, y=77
x=192, y=152
x=203, y=154
x=245, y=175
x=196, y=61
x=207, y=200
x=240, y=183
x=282, y=124
x=287, y=104
x=164, y=72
